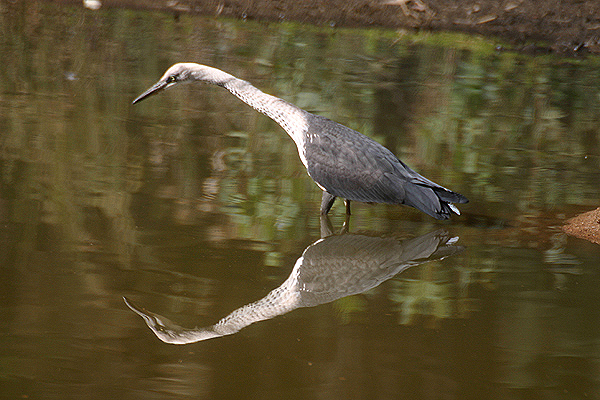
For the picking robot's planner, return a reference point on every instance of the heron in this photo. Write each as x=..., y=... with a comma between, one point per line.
x=331, y=268
x=343, y=162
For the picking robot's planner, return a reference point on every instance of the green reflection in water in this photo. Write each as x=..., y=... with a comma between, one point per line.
x=517, y=134
x=201, y=205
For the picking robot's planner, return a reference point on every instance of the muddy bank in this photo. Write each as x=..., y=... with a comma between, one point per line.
x=585, y=226
x=566, y=26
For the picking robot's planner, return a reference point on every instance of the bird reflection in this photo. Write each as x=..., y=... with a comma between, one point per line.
x=331, y=268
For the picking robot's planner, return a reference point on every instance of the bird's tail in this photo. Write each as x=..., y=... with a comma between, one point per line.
x=435, y=201
x=450, y=196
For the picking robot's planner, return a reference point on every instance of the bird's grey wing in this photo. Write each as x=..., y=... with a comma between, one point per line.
x=350, y=165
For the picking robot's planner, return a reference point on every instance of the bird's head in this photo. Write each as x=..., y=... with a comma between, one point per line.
x=178, y=73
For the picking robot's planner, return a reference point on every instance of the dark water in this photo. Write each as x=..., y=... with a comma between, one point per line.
x=198, y=210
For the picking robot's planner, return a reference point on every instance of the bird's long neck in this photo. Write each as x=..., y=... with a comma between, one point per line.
x=292, y=119
x=281, y=300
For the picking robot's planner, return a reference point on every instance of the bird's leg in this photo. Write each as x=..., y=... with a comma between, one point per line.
x=345, y=225
x=326, y=202
x=347, y=203
x=326, y=227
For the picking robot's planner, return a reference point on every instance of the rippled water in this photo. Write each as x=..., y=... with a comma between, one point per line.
x=198, y=211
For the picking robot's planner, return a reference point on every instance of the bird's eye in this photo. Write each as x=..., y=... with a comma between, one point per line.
x=171, y=79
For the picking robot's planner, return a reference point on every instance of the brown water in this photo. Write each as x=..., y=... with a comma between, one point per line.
x=192, y=206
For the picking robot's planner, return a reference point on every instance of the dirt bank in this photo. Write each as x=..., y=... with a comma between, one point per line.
x=585, y=226
x=565, y=26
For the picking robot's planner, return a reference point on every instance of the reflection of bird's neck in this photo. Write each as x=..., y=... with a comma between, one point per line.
x=292, y=119
x=280, y=300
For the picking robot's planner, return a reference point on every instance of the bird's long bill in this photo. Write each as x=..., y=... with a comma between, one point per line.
x=158, y=86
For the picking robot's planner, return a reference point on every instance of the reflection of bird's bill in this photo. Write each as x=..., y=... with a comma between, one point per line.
x=139, y=311
x=150, y=319
x=158, y=87
x=331, y=268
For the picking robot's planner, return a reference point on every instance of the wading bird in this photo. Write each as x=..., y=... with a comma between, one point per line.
x=329, y=269
x=342, y=162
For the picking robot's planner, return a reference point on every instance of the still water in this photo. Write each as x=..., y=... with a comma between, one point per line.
x=198, y=211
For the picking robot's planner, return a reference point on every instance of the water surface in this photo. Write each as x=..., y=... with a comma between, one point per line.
x=192, y=205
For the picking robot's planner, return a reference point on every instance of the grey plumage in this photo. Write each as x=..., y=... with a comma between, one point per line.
x=344, y=163
x=354, y=167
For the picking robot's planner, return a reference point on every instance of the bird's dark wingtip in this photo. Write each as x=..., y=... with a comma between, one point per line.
x=447, y=210
x=442, y=216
